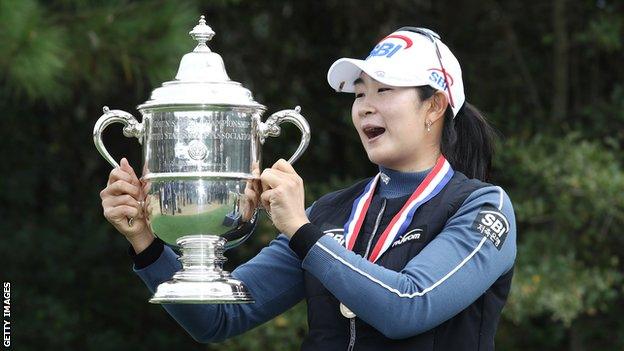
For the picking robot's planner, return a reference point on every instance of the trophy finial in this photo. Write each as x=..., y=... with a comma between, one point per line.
x=202, y=33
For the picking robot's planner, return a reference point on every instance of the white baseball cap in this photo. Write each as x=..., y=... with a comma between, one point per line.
x=408, y=57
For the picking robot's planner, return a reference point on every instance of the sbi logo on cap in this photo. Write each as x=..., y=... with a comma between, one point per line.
x=389, y=49
x=437, y=77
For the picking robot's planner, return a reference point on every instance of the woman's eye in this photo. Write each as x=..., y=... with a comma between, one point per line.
x=380, y=90
x=359, y=95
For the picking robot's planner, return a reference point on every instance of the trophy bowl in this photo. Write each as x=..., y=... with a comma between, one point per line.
x=202, y=135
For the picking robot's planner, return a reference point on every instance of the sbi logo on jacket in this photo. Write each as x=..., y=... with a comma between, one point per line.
x=492, y=224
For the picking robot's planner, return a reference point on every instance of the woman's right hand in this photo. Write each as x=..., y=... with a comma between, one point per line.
x=121, y=202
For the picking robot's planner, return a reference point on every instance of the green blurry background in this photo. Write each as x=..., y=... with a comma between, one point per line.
x=549, y=75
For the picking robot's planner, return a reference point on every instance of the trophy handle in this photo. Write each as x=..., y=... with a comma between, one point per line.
x=271, y=128
x=132, y=128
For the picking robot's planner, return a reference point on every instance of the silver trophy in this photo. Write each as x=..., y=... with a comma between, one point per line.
x=202, y=135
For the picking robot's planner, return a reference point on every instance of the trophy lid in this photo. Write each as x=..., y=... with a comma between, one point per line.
x=201, y=79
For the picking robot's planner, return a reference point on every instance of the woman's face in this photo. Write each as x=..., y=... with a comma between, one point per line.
x=390, y=122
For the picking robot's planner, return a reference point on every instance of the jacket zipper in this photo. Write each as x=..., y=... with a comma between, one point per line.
x=368, y=246
x=377, y=222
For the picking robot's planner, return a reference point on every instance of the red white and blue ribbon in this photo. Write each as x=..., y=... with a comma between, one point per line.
x=435, y=181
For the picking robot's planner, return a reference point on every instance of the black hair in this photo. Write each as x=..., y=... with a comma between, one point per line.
x=467, y=140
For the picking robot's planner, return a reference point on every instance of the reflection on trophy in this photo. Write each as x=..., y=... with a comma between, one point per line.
x=201, y=135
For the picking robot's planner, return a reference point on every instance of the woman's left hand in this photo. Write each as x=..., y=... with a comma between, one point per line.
x=283, y=196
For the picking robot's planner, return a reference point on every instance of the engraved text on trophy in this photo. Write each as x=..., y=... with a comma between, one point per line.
x=200, y=141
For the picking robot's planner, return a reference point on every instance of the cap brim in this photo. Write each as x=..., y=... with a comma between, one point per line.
x=345, y=71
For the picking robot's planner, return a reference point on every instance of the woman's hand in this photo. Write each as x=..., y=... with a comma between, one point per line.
x=251, y=198
x=283, y=196
x=121, y=202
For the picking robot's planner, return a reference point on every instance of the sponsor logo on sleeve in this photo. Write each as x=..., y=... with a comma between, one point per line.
x=337, y=234
x=492, y=224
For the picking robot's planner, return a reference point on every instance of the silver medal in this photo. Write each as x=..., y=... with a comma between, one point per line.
x=345, y=311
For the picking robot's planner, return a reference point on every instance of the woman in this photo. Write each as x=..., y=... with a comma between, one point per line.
x=418, y=257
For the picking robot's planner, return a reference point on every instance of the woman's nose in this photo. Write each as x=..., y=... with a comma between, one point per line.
x=365, y=108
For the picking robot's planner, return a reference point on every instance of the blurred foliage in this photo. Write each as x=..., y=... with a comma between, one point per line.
x=569, y=263
x=62, y=60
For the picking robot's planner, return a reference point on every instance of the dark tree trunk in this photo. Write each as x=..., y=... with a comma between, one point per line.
x=560, y=61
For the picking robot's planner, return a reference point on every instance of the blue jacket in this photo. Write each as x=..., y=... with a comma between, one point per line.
x=456, y=268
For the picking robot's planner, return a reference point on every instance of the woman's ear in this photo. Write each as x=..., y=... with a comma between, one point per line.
x=437, y=106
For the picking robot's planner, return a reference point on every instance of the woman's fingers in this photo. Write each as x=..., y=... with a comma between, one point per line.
x=284, y=166
x=121, y=187
x=281, y=178
x=249, y=200
x=282, y=173
x=118, y=174
x=283, y=195
x=255, y=185
x=250, y=193
x=272, y=178
x=265, y=198
x=268, y=180
x=125, y=166
x=120, y=214
x=120, y=201
x=255, y=169
x=127, y=200
x=250, y=197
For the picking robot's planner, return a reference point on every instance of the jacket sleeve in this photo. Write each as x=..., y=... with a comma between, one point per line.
x=449, y=274
x=274, y=278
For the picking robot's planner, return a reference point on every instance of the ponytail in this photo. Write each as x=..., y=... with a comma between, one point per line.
x=467, y=140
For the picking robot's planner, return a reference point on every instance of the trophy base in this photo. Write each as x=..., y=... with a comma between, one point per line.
x=202, y=279
x=214, y=292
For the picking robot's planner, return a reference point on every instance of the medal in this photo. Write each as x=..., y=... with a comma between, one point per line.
x=435, y=181
x=346, y=311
